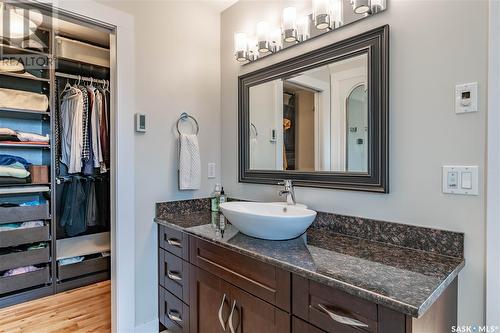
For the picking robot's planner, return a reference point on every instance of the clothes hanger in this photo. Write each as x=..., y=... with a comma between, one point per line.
x=66, y=88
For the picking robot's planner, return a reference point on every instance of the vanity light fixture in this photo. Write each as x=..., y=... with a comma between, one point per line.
x=263, y=44
x=327, y=15
x=240, y=46
x=290, y=24
x=361, y=6
x=321, y=14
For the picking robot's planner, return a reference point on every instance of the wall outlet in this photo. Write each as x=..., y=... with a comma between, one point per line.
x=460, y=180
x=211, y=170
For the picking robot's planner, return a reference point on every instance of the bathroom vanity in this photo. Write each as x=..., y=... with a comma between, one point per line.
x=212, y=278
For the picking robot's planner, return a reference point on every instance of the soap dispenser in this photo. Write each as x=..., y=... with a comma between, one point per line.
x=214, y=198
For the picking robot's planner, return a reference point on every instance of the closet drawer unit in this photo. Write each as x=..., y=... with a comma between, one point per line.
x=174, y=241
x=24, y=258
x=22, y=214
x=22, y=281
x=84, y=267
x=263, y=280
x=330, y=309
x=16, y=237
x=174, y=275
x=174, y=314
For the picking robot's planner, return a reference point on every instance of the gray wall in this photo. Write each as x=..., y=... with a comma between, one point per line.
x=434, y=45
x=178, y=69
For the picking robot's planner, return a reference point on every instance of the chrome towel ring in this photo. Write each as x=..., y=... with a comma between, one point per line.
x=185, y=116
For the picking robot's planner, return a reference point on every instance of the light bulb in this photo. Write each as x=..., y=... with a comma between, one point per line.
x=276, y=38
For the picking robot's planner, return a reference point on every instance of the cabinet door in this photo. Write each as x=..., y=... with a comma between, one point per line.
x=251, y=314
x=209, y=303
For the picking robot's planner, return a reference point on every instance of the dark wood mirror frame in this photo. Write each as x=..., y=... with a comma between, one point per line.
x=376, y=44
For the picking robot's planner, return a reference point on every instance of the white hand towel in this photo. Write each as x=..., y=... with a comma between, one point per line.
x=189, y=164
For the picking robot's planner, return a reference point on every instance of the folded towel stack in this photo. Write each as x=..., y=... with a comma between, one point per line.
x=13, y=170
x=11, y=136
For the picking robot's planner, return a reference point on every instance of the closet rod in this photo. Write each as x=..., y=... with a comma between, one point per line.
x=78, y=77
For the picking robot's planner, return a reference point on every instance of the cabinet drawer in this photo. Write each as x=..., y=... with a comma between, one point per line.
x=174, y=314
x=258, y=278
x=22, y=281
x=17, y=237
x=24, y=213
x=87, y=266
x=24, y=258
x=174, y=275
x=174, y=241
x=299, y=326
x=332, y=310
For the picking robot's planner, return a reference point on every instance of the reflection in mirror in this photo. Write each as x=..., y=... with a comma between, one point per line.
x=316, y=120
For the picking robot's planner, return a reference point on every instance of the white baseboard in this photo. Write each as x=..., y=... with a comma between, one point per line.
x=149, y=327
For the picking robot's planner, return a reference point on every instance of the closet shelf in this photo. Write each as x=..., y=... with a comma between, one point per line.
x=23, y=185
x=23, y=114
x=24, y=145
x=24, y=77
x=10, y=49
x=24, y=189
x=83, y=245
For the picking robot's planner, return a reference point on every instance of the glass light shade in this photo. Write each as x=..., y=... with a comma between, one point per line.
x=321, y=13
x=262, y=32
x=289, y=18
x=276, y=38
x=361, y=6
x=377, y=5
x=337, y=13
x=240, y=41
x=303, y=28
x=253, y=51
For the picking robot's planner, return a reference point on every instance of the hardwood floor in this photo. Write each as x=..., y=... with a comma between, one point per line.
x=87, y=309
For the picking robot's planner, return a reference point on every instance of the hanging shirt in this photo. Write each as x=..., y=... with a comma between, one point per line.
x=95, y=126
x=104, y=131
x=71, y=118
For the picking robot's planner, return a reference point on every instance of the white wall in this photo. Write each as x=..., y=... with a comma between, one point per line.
x=434, y=45
x=177, y=69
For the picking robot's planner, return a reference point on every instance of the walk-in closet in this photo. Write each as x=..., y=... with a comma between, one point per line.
x=56, y=146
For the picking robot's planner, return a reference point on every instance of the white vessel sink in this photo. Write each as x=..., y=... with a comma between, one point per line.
x=268, y=220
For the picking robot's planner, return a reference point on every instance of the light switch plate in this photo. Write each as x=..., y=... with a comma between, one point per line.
x=460, y=180
x=211, y=170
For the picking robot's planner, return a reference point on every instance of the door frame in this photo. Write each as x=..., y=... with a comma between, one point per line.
x=122, y=50
x=493, y=170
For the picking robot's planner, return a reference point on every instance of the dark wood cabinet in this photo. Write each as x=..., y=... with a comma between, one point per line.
x=207, y=288
x=218, y=306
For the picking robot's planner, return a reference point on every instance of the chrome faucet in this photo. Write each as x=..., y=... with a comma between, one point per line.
x=288, y=191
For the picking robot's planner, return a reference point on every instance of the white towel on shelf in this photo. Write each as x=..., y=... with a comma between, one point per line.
x=189, y=162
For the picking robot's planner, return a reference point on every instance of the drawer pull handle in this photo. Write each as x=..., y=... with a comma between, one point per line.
x=340, y=318
x=231, y=327
x=175, y=316
x=174, y=276
x=174, y=242
x=221, y=308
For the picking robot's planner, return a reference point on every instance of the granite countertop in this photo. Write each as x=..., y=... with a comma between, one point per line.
x=404, y=279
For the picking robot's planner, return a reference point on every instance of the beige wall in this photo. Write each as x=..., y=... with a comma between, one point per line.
x=178, y=69
x=434, y=45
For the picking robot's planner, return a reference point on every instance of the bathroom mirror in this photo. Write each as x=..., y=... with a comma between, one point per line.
x=319, y=119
